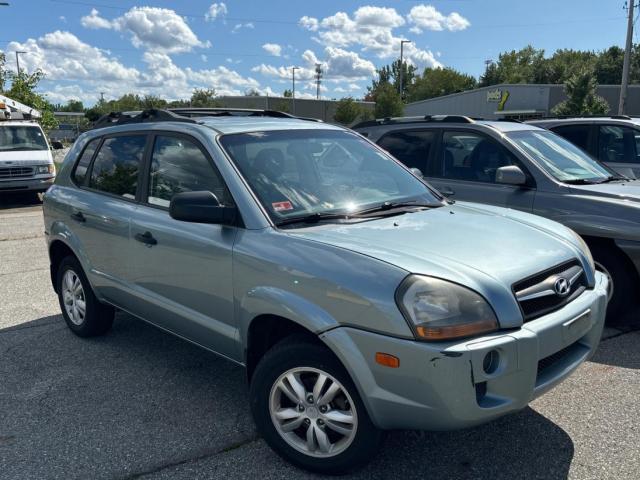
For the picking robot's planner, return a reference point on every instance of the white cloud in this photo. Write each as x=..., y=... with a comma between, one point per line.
x=372, y=30
x=309, y=23
x=95, y=21
x=203, y=57
x=429, y=18
x=151, y=28
x=272, y=49
x=240, y=26
x=215, y=10
x=62, y=18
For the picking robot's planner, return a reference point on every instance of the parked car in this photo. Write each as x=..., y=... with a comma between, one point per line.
x=521, y=166
x=26, y=163
x=613, y=140
x=357, y=297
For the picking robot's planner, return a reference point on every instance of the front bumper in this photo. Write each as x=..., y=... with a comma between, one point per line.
x=444, y=386
x=37, y=184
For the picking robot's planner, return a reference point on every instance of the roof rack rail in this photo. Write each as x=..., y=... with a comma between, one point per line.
x=423, y=119
x=150, y=115
x=559, y=117
x=512, y=120
x=225, y=112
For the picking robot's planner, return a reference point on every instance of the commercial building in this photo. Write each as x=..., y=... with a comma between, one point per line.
x=519, y=101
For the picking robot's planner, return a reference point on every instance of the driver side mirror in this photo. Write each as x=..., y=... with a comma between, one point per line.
x=510, y=175
x=201, y=207
x=417, y=172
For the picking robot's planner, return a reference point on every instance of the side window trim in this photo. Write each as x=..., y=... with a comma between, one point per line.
x=144, y=184
x=132, y=133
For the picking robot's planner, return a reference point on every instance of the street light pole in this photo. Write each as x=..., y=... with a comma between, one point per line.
x=627, y=60
x=293, y=90
x=18, y=60
x=402, y=42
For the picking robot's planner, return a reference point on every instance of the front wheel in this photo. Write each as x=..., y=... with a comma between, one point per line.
x=622, y=281
x=308, y=410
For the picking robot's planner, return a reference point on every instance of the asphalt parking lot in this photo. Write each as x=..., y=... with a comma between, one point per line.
x=138, y=403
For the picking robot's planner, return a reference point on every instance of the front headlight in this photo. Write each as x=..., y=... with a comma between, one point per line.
x=585, y=250
x=47, y=169
x=441, y=310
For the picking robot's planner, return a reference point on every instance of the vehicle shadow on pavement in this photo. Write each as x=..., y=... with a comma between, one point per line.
x=19, y=200
x=139, y=401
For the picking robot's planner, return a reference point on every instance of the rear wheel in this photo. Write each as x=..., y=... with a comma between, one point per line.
x=84, y=314
x=308, y=410
x=622, y=280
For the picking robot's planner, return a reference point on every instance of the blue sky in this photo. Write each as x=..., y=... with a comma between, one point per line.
x=167, y=48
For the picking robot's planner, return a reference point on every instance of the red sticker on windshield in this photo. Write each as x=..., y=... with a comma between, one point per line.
x=282, y=206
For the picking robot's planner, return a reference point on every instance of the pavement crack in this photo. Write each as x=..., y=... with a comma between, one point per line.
x=186, y=461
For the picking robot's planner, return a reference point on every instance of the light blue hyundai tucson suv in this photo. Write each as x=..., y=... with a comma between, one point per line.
x=358, y=298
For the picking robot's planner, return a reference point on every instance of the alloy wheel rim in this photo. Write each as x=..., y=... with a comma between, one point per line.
x=600, y=268
x=313, y=412
x=73, y=297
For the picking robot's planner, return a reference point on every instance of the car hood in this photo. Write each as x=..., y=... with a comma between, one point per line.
x=466, y=243
x=25, y=157
x=615, y=190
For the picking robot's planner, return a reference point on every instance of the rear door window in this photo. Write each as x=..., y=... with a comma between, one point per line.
x=617, y=144
x=410, y=147
x=576, y=134
x=117, y=164
x=471, y=156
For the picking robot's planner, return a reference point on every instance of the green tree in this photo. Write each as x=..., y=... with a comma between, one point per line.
x=390, y=75
x=435, y=82
x=204, y=98
x=527, y=65
x=608, y=66
x=70, y=106
x=581, y=96
x=152, y=101
x=347, y=111
x=287, y=93
x=252, y=92
x=23, y=89
x=388, y=102
x=565, y=62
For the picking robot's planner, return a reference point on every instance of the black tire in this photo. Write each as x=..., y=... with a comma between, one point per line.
x=294, y=353
x=623, y=278
x=98, y=317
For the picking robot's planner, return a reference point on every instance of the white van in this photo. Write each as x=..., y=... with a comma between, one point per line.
x=26, y=162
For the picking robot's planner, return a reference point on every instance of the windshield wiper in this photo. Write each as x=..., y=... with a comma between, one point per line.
x=312, y=218
x=579, y=181
x=613, y=178
x=386, y=206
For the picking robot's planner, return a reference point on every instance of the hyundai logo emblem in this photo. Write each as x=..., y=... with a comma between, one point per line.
x=562, y=287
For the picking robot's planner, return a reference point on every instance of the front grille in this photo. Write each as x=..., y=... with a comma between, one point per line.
x=537, y=295
x=16, y=172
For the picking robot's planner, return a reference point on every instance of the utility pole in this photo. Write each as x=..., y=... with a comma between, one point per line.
x=402, y=42
x=101, y=97
x=627, y=60
x=18, y=60
x=318, y=79
x=293, y=90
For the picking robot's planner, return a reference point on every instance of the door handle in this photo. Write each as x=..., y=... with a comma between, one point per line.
x=447, y=191
x=78, y=217
x=146, y=238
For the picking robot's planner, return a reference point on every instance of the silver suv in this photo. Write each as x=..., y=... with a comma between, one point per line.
x=613, y=140
x=358, y=299
x=521, y=166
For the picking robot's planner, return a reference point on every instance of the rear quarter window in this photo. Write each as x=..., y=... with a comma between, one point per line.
x=80, y=171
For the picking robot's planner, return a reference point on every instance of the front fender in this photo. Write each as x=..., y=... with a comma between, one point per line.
x=275, y=301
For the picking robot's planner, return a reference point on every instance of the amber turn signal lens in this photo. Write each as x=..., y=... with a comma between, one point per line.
x=387, y=360
x=456, y=331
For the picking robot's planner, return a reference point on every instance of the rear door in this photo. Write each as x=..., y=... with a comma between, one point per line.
x=465, y=166
x=618, y=147
x=182, y=271
x=100, y=210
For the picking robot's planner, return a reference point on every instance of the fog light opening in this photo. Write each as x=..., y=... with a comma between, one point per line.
x=491, y=362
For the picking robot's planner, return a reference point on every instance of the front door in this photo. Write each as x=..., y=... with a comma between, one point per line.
x=182, y=272
x=618, y=147
x=465, y=168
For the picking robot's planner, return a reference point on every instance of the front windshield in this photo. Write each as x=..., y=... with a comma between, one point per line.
x=305, y=172
x=18, y=137
x=559, y=157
